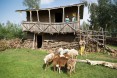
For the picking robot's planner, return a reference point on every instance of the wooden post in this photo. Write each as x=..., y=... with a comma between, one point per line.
x=33, y=42
x=36, y=40
x=103, y=40
x=63, y=14
x=97, y=40
x=37, y=16
x=78, y=17
x=31, y=16
x=49, y=16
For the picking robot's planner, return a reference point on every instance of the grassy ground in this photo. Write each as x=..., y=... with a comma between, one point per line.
x=27, y=63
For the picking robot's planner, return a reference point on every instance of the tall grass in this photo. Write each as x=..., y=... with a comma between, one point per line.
x=27, y=63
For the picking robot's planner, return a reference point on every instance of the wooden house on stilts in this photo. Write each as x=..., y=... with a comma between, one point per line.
x=47, y=27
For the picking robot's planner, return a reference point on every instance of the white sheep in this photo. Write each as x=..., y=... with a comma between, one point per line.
x=73, y=53
x=48, y=58
x=63, y=52
x=60, y=50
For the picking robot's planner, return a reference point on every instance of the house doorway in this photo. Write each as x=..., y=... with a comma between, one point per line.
x=39, y=41
x=58, y=17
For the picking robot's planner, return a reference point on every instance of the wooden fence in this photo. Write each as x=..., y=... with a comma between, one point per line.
x=40, y=27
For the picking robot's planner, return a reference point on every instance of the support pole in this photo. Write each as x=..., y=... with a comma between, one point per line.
x=31, y=16
x=36, y=40
x=63, y=14
x=49, y=16
x=33, y=42
x=103, y=40
x=37, y=15
x=78, y=17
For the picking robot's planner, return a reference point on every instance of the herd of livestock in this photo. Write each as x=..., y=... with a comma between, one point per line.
x=66, y=58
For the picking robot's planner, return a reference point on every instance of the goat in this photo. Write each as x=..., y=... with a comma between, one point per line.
x=71, y=64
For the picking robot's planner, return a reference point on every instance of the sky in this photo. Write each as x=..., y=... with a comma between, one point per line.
x=8, y=9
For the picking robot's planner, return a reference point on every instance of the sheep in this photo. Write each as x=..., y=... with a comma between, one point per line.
x=59, y=50
x=73, y=53
x=48, y=58
x=62, y=52
x=59, y=62
x=71, y=64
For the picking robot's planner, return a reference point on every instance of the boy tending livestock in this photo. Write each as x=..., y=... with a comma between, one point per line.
x=82, y=45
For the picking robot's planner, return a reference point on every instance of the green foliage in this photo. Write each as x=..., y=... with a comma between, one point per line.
x=85, y=26
x=10, y=31
x=104, y=14
x=27, y=63
x=32, y=4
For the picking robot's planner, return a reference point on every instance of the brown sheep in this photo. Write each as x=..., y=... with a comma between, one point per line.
x=71, y=64
x=59, y=62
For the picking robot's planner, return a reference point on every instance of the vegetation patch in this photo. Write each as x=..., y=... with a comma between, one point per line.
x=27, y=63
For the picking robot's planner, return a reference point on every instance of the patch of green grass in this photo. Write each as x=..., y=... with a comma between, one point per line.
x=27, y=63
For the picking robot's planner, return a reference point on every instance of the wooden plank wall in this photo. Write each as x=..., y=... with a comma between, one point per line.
x=51, y=28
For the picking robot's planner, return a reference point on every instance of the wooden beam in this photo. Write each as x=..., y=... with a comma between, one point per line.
x=38, y=16
x=33, y=42
x=63, y=14
x=36, y=40
x=49, y=16
x=78, y=17
x=31, y=16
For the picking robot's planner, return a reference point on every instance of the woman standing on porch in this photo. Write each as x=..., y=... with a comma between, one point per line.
x=67, y=19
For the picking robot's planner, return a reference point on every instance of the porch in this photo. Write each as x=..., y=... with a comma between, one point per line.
x=51, y=28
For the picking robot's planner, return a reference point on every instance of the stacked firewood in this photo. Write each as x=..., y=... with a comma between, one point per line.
x=55, y=45
x=111, y=51
x=27, y=43
x=15, y=43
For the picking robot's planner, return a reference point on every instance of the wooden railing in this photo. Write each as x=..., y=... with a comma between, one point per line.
x=43, y=27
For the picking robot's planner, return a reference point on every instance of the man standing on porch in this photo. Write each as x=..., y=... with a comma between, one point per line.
x=74, y=18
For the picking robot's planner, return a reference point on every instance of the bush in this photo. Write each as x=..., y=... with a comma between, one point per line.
x=3, y=45
x=11, y=31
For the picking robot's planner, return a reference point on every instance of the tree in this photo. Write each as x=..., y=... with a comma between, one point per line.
x=32, y=4
x=10, y=31
x=103, y=14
